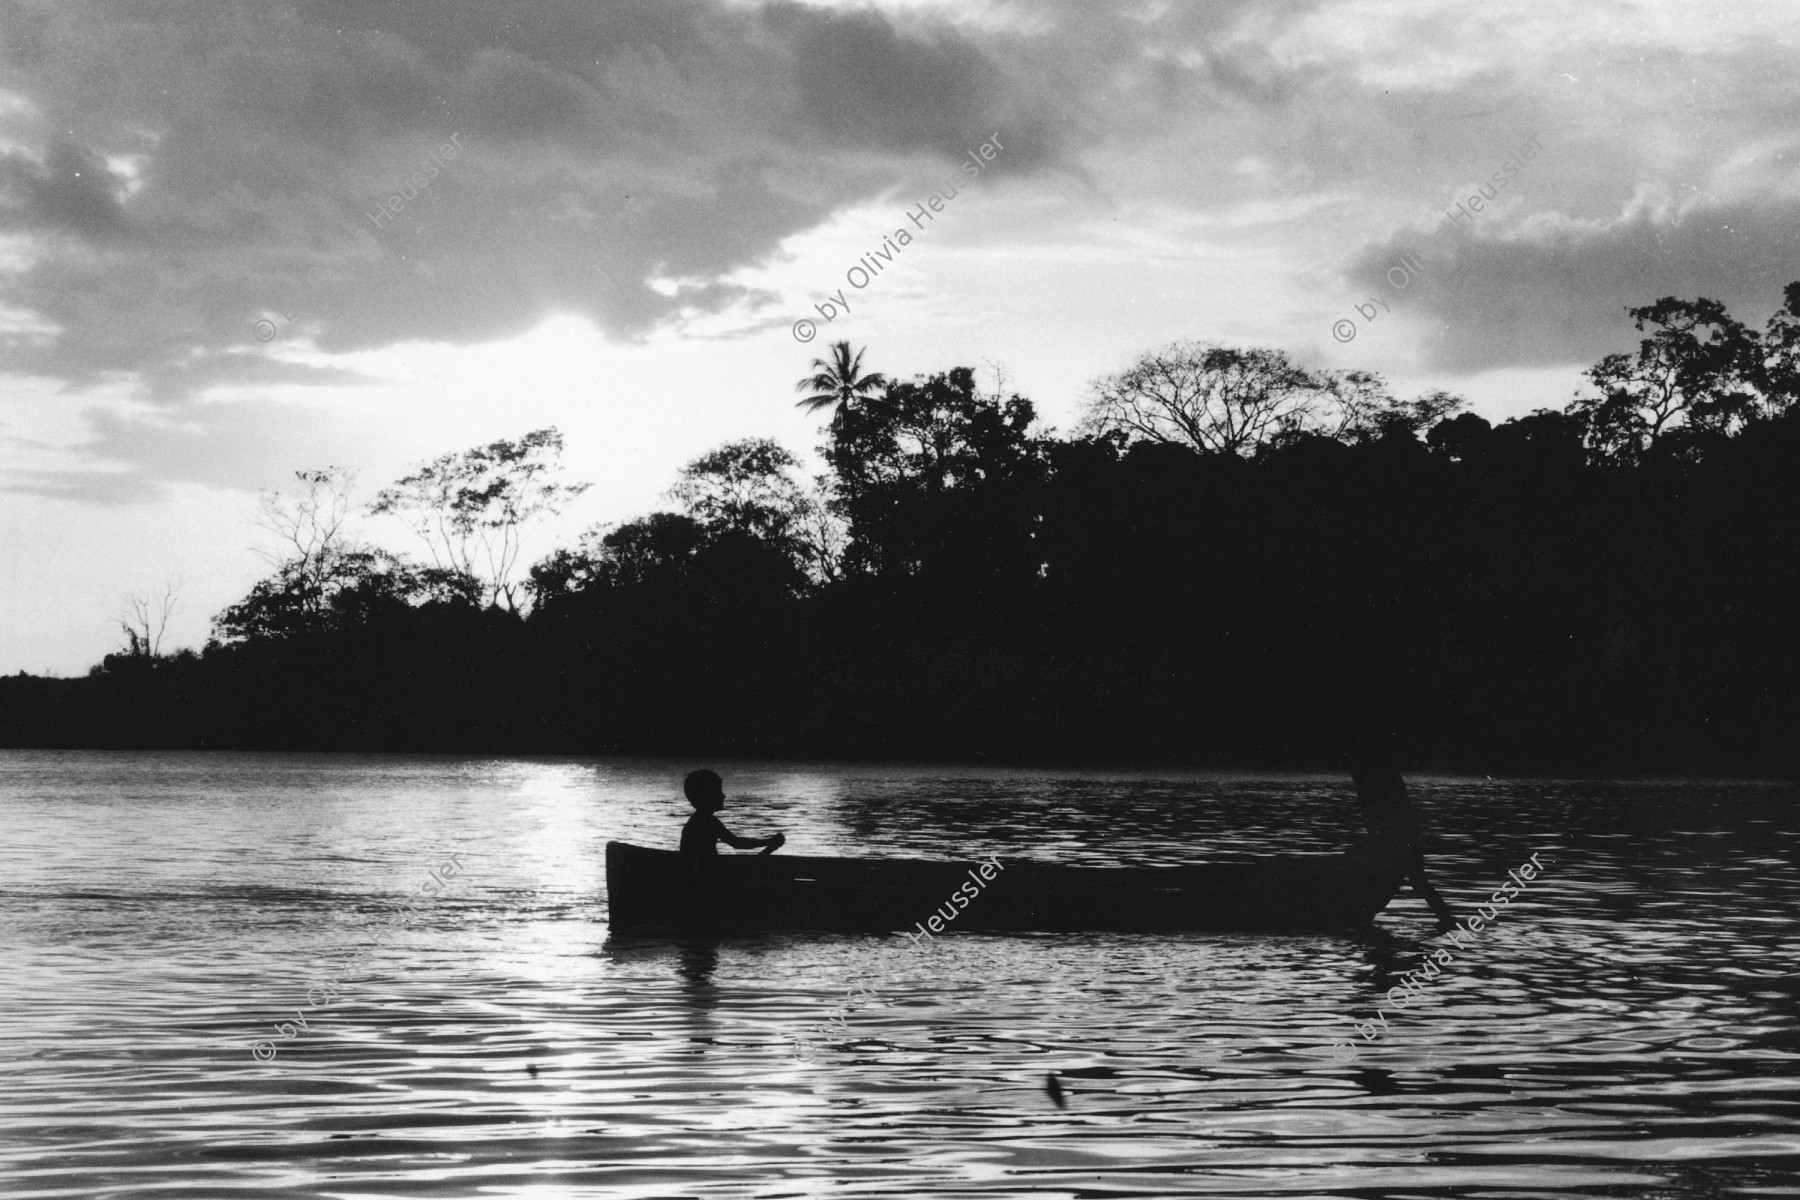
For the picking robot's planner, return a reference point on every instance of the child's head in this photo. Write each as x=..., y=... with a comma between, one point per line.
x=705, y=790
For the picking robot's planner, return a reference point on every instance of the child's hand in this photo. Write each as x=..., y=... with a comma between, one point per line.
x=775, y=843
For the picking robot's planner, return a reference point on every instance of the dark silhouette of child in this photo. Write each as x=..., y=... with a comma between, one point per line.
x=1395, y=828
x=704, y=831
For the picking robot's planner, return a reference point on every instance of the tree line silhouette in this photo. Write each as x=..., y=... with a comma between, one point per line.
x=1232, y=559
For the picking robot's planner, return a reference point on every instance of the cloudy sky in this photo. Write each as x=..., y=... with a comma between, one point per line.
x=200, y=292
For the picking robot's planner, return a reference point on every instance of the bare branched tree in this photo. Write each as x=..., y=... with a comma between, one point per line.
x=998, y=394
x=822, y=534
x=1223, y=400
x=310, y=529
x=145, y=617
x=473, y=510
x=1210, y=397
x=1357, y=407
x=1353, y=402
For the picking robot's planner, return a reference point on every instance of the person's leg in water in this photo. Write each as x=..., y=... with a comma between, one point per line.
x=1415, y=875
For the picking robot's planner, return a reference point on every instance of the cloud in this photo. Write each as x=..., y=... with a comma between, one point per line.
x=1552, y=290
x=174, y=172
x=170, y=174
x=70, y=192
x=138, y=452
x=861, y=82
x=107, y=488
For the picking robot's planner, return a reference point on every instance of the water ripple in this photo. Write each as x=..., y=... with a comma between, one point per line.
x=1628, y=1027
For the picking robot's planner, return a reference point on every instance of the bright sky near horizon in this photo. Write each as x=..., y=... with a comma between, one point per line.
x=652, y=192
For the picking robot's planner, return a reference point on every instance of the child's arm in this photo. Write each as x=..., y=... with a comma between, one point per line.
x=741, y=843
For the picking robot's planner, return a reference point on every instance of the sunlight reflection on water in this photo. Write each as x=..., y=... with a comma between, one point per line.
x=1627, y=1025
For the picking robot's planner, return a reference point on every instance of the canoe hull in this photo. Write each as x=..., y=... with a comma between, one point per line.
x=656, y=892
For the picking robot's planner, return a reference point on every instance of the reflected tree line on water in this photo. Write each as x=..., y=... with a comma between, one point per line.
x=1232, y=559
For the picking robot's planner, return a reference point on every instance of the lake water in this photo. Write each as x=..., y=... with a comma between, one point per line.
x=1628, y=1026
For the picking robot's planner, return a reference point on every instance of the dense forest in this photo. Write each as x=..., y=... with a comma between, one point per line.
x=1231, y=560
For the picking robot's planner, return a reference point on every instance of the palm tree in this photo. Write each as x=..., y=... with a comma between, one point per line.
x=836, y=381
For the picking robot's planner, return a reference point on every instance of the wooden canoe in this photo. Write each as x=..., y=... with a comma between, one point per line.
x=656, y=892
